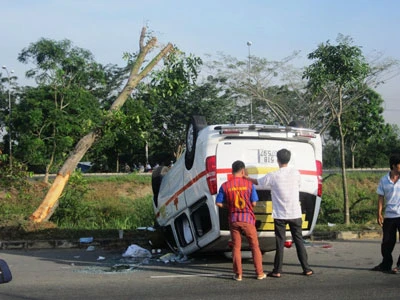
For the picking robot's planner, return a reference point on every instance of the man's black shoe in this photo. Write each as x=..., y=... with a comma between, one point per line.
x=380, y=269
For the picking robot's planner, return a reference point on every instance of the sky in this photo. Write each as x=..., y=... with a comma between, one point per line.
x=275, y=29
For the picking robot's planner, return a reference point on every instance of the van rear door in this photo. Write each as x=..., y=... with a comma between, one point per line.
x=259, y=155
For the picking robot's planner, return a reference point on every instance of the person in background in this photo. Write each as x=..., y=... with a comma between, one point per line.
x=389, y=197
x=141, y=168
x=239, y=196
x=148, y=167
x=286, y=209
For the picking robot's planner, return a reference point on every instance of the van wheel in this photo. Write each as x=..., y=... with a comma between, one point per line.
x=156, y=178
x=196, y=124
x=298, y=124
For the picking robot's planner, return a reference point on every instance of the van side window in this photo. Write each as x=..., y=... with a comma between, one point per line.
x=201, y=219
x=183, y=230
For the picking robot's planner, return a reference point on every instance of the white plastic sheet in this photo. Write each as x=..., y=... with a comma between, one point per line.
x=136, y=251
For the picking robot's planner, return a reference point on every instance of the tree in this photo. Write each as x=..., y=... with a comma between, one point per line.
x=46, y=130
x=123, y=139
x=53, y=116
x=381, y=145
x=217, y=104
x=3, y=105
x=255, y=86
x=167, y=98
x=338, y=72
x=7, y=102
x=361, y=121
x=137, y=73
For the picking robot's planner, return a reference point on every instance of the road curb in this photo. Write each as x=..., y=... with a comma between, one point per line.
x=347, y=235
x=143, y=241
x=109, y=243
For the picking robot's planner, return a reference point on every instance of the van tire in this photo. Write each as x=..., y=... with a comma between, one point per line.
x=156, y=178
x=297, y=124
x=196, y=124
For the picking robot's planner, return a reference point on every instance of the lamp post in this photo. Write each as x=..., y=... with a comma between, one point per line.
x=9, y=114
x=251, y=100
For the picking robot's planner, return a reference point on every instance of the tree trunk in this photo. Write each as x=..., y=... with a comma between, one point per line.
x=50, y=202
x=353, y=156
x=346, y=204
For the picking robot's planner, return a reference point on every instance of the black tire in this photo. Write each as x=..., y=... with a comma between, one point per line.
x=156, y=178
x=297, y=124
x=196, y=124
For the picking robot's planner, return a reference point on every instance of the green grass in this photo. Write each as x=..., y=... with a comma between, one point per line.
x=362, y=198
x=102, y=205
x=96, y=204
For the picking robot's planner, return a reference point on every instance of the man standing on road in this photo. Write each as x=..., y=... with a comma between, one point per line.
x=286, y=209
x=389, y=190
x=239, y=196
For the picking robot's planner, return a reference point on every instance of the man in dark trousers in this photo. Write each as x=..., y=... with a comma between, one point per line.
x=286, y=209
x=389, y=201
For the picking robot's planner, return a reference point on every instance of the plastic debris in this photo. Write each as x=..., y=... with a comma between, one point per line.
x=168, y=257
x=86, y=240
x=171, y=257
x=90, y=248
x=101, y=258
x=146, y=228
x=136, y=251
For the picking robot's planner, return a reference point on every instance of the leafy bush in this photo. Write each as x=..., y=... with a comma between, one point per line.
x=72, y=210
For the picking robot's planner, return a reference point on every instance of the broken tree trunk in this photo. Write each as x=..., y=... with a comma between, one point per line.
x=50, y=202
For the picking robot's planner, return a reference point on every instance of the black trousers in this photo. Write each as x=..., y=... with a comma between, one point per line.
x=390, y=228
x=280, y=234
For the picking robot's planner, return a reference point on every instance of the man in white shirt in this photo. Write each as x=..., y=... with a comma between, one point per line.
x=286, y=209
x=389, y=213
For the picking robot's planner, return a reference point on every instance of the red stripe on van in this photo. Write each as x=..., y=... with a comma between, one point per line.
x=228, y=171
x=186, y=186
x=307, y=172
x=223, y=171
x=175, y=197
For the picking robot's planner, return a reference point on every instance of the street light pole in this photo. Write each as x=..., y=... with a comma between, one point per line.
x=9, y=114
x=251, y=99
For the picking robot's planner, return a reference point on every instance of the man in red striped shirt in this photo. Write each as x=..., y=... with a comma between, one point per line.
x=239, y=195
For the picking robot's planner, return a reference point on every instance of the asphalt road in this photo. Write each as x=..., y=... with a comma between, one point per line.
x=341, y=272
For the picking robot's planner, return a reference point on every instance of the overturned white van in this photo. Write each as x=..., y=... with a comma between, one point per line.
x=184, y=195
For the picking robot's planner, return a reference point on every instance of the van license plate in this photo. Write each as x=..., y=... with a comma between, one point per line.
x=266, y=156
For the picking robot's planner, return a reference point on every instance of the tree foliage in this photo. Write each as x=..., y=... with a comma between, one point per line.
x=47, y=129
x=254, y=86
x=361, y=121
x=166, y=98
x=56, y=114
